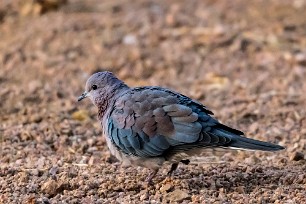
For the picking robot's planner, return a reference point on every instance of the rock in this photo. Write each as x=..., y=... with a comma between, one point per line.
x=240, y=189
x=32, y=7
x=296, y=156
x=24, y=177
x=34, y=86
x=130, y=40
x=165, y=188
x=177, y=196
x=49, y=187
x=35, y=172
x=252, y=160
x=144, y=195
x=35, y=118
x=80, y=115
x=53, y=170
x=301, y=58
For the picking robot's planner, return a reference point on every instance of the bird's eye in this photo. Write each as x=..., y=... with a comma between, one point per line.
x=94, y=87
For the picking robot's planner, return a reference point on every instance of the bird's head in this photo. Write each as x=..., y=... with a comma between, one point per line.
x=101, y=84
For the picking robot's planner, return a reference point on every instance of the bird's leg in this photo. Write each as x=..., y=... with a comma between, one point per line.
x=173, y=168
x=151, y=176
x=175, y=165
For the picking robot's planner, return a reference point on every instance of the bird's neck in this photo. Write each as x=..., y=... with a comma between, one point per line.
x=108, y=98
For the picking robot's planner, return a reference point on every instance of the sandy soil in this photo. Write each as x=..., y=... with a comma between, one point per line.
x=245, y=61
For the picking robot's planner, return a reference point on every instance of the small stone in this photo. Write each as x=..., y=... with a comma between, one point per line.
x=45, y=200
x=36, y=118
x=35, y=172
x=144, y=195
x=72, y=173
x=80, y=115
x=53, y=170
x=31, y=200
x=252, y=160
x=24, y=177
x=49, y=187
x=177, y=196
x=240, y=189
x=25, y=136
x=195, y=198
x=301, y=58
x=297, y=156
x=165, y=188
x=130, y=40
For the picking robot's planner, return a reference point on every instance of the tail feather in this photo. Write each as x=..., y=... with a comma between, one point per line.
x=237, y=141
x=251, y=144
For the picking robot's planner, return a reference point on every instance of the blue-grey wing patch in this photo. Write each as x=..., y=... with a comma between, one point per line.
x=137, y=143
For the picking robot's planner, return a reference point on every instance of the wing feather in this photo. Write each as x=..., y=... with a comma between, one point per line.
x=151, y=121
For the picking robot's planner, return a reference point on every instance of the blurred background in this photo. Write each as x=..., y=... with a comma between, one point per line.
x=245, y=60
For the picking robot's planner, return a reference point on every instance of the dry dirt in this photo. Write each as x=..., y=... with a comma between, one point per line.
x=245, y=60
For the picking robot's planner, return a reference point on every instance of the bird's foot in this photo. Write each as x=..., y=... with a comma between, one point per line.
x=175, y=165
x=172, y=169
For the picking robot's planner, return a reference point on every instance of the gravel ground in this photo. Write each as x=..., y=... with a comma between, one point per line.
x=246, y=61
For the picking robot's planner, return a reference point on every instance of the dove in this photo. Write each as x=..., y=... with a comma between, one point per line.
x=149, y=126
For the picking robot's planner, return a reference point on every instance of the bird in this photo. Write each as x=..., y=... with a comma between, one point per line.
x=151, y=125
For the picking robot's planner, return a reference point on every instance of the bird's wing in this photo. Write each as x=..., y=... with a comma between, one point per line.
x=152, y=121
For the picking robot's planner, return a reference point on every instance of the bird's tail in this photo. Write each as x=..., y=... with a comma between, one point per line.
x=237, y=141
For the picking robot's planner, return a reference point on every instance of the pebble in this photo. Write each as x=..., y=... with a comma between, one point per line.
x=165, y=188
x=177, y=196
x=130, y=40
x=50, y=187
x=296, y=156
x=53, y=170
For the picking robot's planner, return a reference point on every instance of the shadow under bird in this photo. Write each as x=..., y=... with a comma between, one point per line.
x=147, y=126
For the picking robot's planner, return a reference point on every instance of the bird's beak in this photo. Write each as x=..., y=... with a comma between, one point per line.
x=84, y=95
